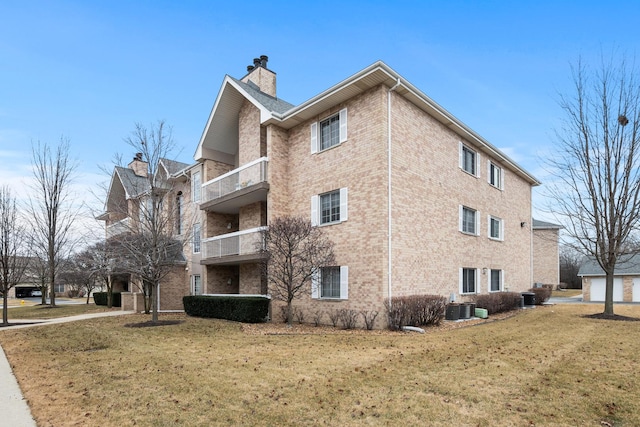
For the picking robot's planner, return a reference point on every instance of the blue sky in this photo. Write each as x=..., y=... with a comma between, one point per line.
x=89, y=70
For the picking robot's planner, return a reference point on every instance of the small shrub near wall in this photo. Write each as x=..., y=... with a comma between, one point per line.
x=100, y=298
x=415, y=310
x=239, y=309
x=542, y=294
x=498, y=302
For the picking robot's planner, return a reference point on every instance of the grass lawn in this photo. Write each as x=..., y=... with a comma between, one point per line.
x=47, y=312
x=567, y=293
x=546, y=366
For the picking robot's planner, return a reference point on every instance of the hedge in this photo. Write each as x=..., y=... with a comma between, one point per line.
x=100, y=298
x=542, y=294
x=415, y=310
x=498, y=302
x=239, y=309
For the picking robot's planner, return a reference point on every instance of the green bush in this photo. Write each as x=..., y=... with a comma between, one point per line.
x=498, y=302
x=239, y=309
x=100, y=298
x=542, y=294
x=415, y=310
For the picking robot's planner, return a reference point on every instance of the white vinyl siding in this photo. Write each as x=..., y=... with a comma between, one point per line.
x=329, y=132
x=330, y=208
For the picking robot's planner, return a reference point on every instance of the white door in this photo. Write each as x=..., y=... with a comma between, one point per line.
x=636, y=290
x=598, y=286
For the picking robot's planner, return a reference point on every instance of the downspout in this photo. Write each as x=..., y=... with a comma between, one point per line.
x=389, y=230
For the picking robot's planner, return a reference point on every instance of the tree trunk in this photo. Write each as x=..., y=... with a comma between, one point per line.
x=109, y=292
x=5, y=306
x=608, y=296
x=154, y=303
x=289, y=313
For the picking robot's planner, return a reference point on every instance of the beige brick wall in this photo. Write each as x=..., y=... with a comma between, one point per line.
x=546, y=267
x=428, y=188
x=250, y=141
x=173, y=287
x=217, y=279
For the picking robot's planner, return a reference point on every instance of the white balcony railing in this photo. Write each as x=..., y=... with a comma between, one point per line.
x=252, y=173
x=118, y=227
x=245, y=242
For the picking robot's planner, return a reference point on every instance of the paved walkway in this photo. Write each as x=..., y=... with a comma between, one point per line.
x=13, y=408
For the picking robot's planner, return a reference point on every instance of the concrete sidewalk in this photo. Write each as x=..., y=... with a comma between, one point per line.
x=14, y=410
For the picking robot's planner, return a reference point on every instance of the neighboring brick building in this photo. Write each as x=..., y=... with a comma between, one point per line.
x=414, y=200
x=546, y=255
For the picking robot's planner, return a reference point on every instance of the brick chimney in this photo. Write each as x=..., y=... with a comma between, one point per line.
x=139, y=166
x=261, y=76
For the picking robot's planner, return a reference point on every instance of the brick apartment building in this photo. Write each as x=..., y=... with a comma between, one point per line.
x=414, y=200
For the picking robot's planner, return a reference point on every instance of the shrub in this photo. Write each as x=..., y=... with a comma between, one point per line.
x=349, y=318
x=415, y=310
x=369, y=318
x=334, y=316
x=298, y=315
x=239, y=309
x=542, y=294
x=100, y=298
x=498, y=302
x=317, y=317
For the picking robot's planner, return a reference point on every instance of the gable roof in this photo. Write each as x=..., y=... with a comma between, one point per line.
x=233, y=93
x=627, y=267
x=172, y=167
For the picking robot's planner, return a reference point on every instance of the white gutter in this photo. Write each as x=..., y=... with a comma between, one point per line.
x=389, y=255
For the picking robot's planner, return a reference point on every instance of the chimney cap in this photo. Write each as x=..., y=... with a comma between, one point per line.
x=250, y=68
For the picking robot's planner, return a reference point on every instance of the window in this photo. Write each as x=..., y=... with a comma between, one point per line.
x=331, y=283
x=329, y=132
x=496, y=228
x=196, y=238
x=495, y=281
x=196, y=285
x=196, y=189
x=468, y=280
x=179, y=213
x=468, y=220
x=58, y=288
x=329, y=208
x=495, y=175
x=468, y=159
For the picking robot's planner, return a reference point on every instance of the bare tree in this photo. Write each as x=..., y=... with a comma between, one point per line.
x=104, y=260
x=13, y=250
x=295, y=251
x=151, y=248
x=597, y=194
x=51, y=206
x=570, y=261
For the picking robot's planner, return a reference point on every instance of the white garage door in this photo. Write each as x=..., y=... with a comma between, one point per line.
x=636, y=290
x=598, y=289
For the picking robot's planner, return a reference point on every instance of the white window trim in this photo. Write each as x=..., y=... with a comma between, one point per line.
x=501, y=280
x=461, y=279
x=195, y=191
x=316, y=283
x=315, y=132
x=500, y=238
x=477, y=162
x=461, y=221
x=344, y=208
x=197, y=227
x=500, y=185
x=193, y=284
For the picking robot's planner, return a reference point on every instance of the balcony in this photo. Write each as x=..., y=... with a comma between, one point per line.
x=239, y=187
x=119, y=227
x=233, y=248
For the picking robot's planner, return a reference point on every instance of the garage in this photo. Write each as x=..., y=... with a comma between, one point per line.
x=636, y=290
x=598, y=285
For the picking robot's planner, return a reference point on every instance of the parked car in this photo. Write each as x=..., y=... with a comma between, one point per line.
x=36, y=293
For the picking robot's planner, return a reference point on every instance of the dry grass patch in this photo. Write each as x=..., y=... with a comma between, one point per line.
x=48, y=312
x=547, y=366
